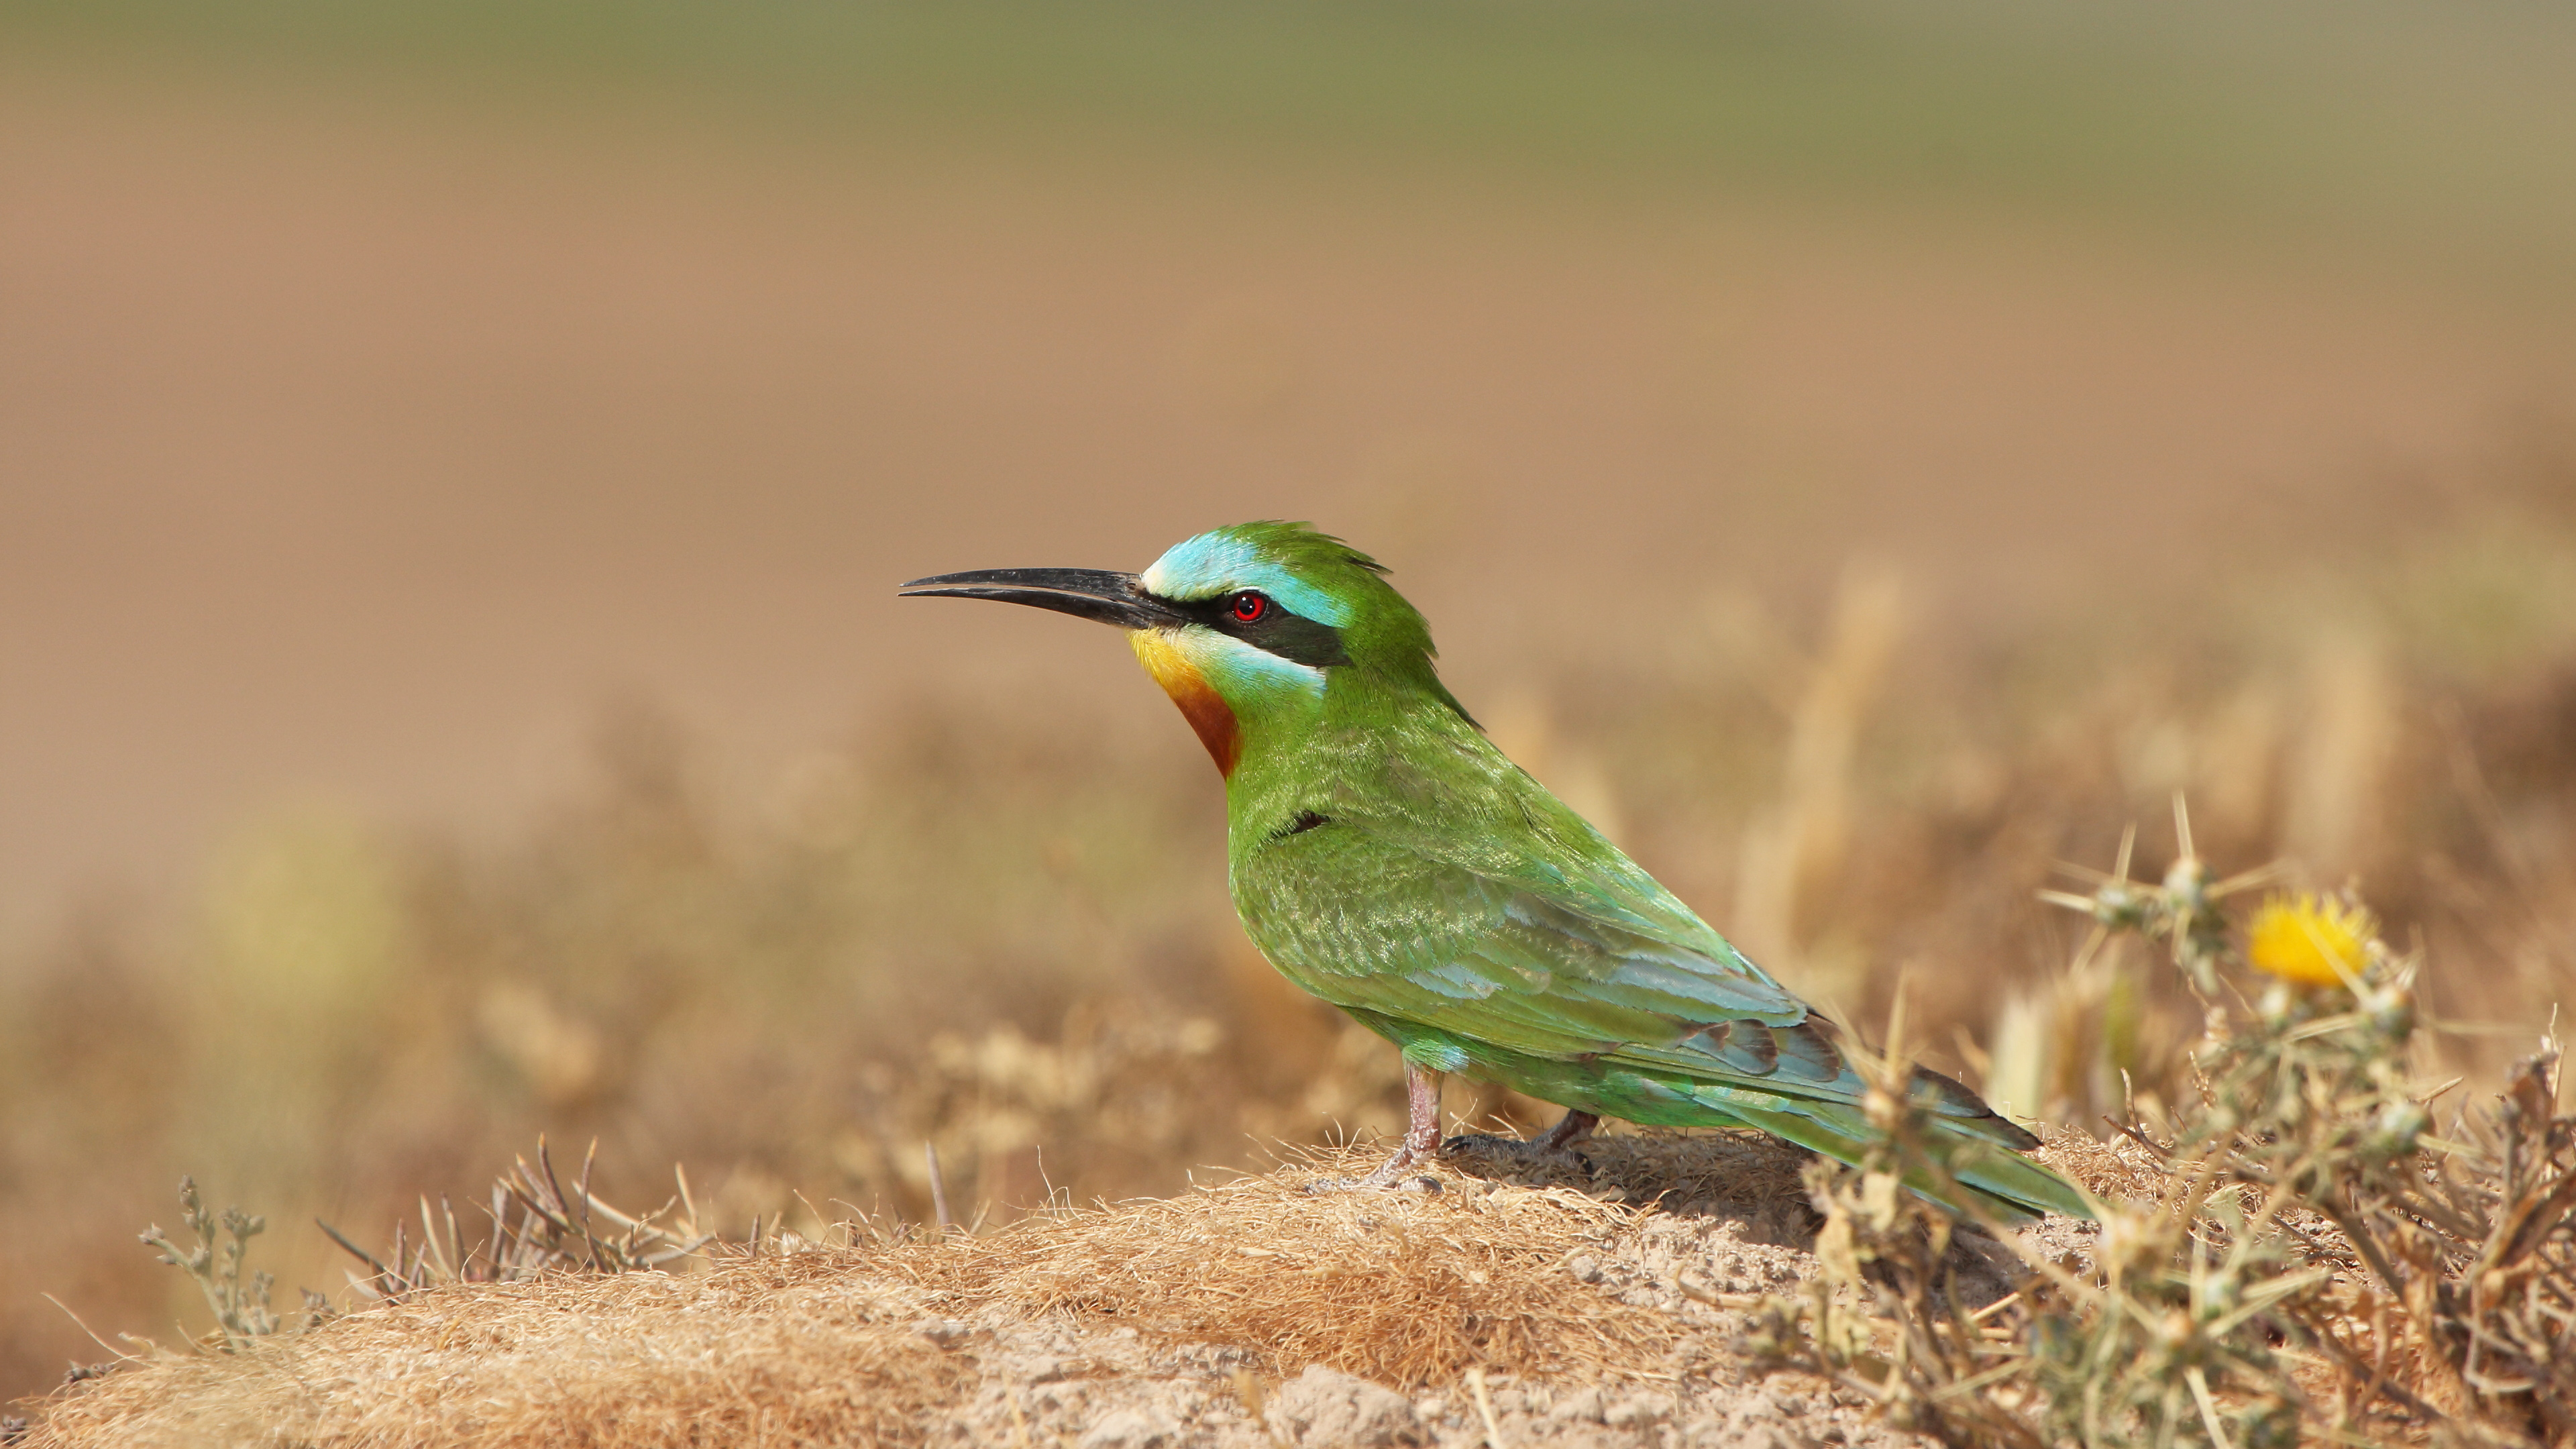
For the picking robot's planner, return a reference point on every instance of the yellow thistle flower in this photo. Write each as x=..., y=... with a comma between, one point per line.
x=2311, y=940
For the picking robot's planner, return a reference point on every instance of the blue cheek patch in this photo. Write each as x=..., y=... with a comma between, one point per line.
x=1238, y=669
x=1217, y=562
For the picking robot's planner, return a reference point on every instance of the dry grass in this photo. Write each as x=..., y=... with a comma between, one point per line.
x=769, y=1351
x=868, y=1345
x=1403, y=1288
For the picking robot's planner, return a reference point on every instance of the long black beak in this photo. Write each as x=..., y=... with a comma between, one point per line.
x=1111, y=598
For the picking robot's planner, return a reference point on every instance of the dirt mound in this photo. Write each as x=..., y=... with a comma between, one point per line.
x=1593, y=1302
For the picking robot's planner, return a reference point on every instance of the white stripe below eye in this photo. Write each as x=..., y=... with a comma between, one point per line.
x=1225, y=659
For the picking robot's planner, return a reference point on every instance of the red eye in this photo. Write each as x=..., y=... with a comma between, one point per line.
x=1248, y=607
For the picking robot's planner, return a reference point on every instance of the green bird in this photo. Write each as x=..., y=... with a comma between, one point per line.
x=1386, y=857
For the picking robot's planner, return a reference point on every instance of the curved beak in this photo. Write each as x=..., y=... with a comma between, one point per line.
x=1111, y=598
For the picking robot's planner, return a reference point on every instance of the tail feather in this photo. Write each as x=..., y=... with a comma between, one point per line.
x=2010, y=1186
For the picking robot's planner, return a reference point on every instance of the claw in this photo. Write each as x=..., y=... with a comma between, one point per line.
x=1555, y=1145
x=1514, y=1151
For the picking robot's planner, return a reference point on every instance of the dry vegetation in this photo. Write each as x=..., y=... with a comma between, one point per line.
x=1007, y=944
x=1246, y=1313
x=784, y=1351
x=2299, y=1254
x=2294, y=1251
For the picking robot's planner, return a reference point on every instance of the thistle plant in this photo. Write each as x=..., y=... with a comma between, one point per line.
x=2159, y=1340
x=2182, y=911
x=2315, y=1258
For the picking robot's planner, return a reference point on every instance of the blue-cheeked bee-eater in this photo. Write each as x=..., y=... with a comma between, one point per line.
x=1386, y=857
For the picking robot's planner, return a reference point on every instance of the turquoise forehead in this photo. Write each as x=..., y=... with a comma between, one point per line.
x=1219, y=562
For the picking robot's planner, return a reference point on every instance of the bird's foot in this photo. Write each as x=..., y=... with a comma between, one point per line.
x=1524, y=1151
x=1392, y=1175
x=1552, y=1148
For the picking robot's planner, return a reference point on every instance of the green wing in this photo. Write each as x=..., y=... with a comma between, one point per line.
x=1535, y=966
x=1547, y=944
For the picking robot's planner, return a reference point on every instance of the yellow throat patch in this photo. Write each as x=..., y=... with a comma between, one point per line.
x=1160, y=652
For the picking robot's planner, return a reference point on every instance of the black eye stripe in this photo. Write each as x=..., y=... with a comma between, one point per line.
x=1291, y=636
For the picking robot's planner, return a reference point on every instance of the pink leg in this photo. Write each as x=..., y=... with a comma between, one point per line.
x=1421, y=1140
x=1571, y=1128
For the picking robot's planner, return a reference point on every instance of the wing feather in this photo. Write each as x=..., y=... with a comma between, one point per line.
x=1570, y=960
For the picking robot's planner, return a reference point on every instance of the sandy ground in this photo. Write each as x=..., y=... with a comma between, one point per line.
x=358, y=445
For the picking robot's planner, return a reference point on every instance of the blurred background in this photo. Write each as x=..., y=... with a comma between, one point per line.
x=456, y=459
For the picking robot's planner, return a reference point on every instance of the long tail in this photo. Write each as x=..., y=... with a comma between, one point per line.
x=2008, y=1185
